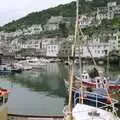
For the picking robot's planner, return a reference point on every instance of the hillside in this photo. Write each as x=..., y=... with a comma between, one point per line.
x=67, y=10
x=41, y=17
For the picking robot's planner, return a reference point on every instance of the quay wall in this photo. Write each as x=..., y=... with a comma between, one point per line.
x=3, y=112
x=32, y=117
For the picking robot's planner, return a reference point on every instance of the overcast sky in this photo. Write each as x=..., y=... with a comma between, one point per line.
x=14, y=9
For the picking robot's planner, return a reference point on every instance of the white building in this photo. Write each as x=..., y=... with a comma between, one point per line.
x=39, y=45
x=34, y=29
x=52, y=50
x=111, y=9
x=15, y=45
x=97, y=50
x=113, y=41
x=85, y=21
x=111, y=4
x=6, y=36
x=53, y=23
x=47, y=41
x=102, y=13
x=108, y=12
x=36, y=44
x=17, y=33
x=118, y=40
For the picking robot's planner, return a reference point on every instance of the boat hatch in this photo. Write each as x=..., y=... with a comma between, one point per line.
x=94, y=113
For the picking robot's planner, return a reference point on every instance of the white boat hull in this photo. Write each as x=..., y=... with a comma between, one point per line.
x=83, y=112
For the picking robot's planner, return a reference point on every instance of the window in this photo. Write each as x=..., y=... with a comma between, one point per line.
x=99, y=46
x=36, y=45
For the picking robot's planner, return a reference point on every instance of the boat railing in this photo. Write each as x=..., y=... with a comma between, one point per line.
x=86, y=92
x=65, y=110
x=99, y=104
x=92, y=100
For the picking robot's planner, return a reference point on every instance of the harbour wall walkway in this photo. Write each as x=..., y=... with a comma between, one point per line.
x=32, y=117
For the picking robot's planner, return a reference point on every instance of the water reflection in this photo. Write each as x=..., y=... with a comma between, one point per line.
x=38, y=92
x=47, y=81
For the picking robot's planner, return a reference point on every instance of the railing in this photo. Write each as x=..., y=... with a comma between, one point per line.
x=109, y=107
x=97, y=97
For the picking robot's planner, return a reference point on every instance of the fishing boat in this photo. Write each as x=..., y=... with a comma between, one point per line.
x=22, y=65
x=4, y=70
x=91, y=95
x=30, y=63
x=4, y=95
x=78, y=109
x=112, y=84
x=3, y=104
x=91, y=81
x=8, y=70
x=35, y=63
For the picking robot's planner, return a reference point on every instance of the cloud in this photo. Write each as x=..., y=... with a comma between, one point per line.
x=14, y=9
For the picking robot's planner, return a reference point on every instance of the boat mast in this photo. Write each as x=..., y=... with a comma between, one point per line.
x=72, y=65
x=82, y=34
x=108, y=64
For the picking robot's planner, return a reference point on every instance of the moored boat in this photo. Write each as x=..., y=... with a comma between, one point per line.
x=8, y=70
x=30, y=63
x=4, y=70
x=4, y=95
x=3, y=103
x=91, y=82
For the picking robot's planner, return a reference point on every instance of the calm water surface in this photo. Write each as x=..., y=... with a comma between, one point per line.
x=40, y=92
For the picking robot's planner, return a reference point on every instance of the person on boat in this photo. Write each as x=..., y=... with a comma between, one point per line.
x=93, y=73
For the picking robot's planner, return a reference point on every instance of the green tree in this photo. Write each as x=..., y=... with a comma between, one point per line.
x=63, y=29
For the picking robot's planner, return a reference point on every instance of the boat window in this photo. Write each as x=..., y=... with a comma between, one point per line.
x=31, y=61
x=104, y=81
x=83, y=76
x=5, y=68
x=98, y=81
x=84, y=72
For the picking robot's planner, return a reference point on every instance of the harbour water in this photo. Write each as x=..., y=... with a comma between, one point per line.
x=38, y=92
